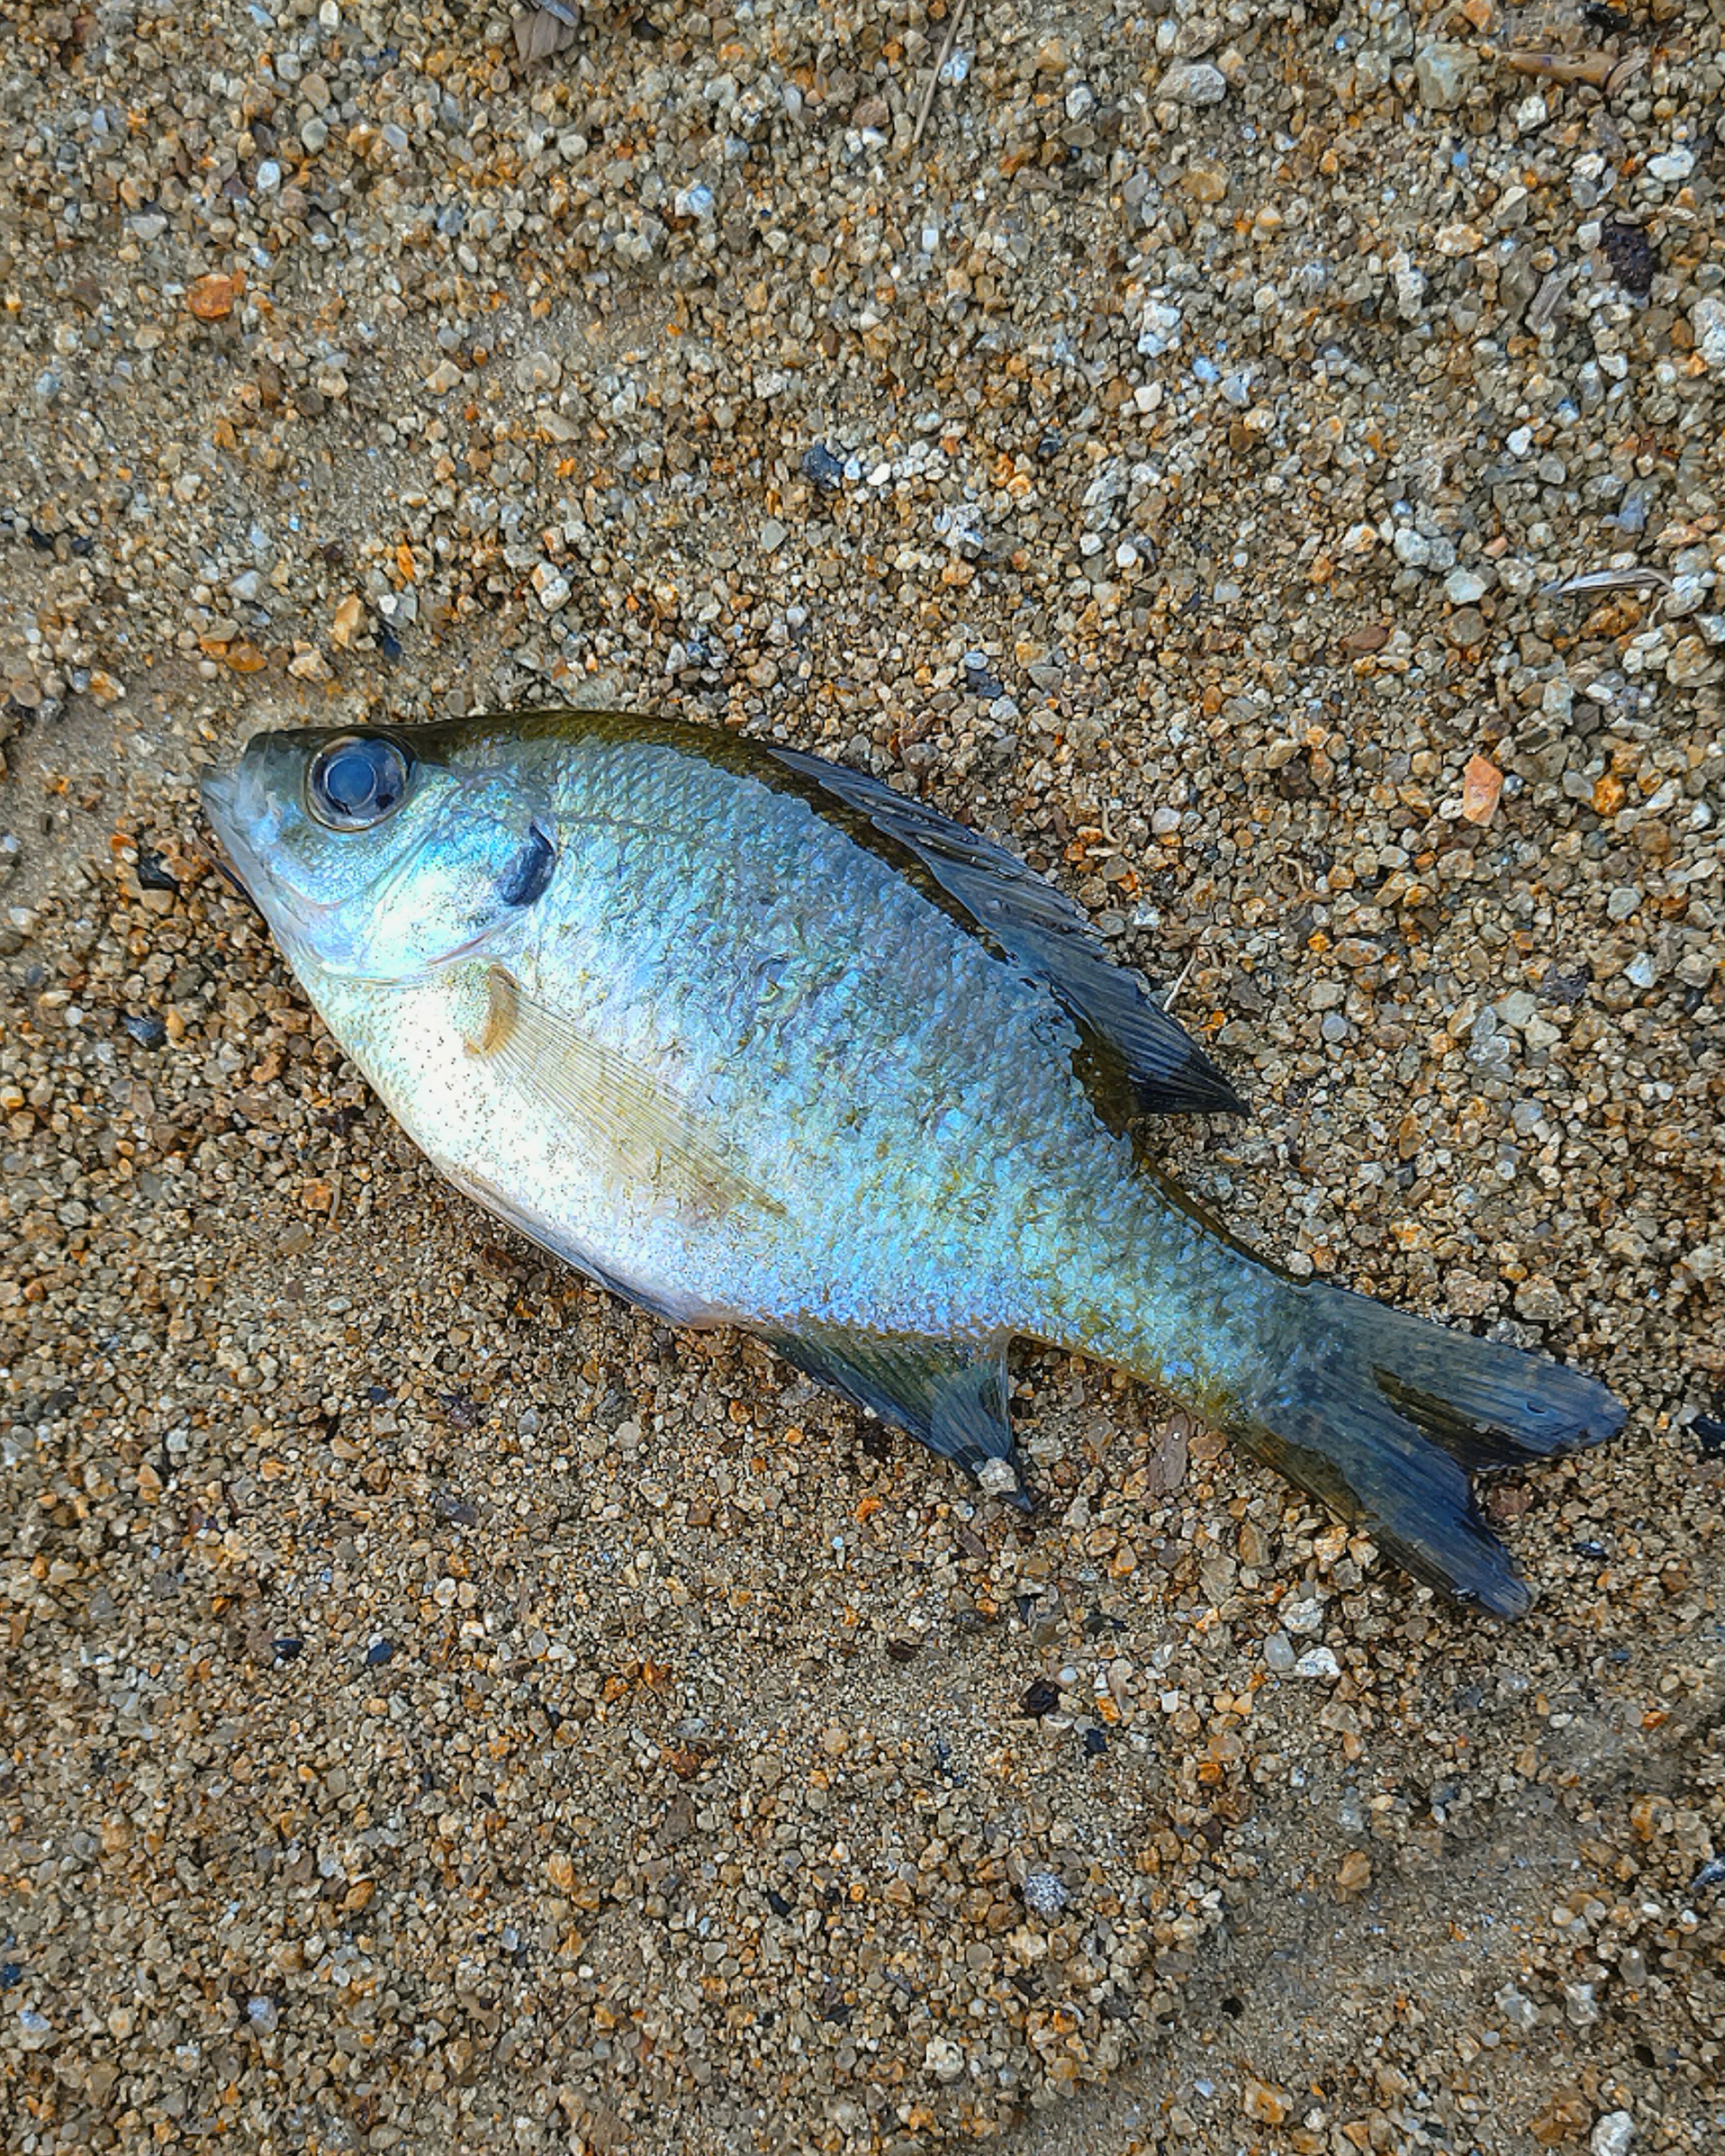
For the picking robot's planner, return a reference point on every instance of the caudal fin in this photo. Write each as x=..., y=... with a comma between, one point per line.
x=1383, y=1416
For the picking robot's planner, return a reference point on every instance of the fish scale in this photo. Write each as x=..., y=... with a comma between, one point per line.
x=753, y=1039
x=944, y=1200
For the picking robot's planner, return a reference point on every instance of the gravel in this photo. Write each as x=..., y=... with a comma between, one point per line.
x=1264, y=463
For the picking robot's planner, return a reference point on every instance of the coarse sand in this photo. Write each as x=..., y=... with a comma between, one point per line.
x=1266, y=465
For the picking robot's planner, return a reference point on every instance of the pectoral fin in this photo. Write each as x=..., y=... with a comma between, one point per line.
x=653, y=1138
x=950, y=1395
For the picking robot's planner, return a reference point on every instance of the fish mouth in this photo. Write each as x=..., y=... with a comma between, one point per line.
x=225, y=850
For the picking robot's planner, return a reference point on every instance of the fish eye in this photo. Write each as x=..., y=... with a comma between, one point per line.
x=356, y=782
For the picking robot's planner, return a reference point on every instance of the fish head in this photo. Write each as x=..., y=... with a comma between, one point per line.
x=380, y=853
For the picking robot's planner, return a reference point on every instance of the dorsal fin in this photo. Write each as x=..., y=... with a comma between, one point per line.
x=1026, y=919
x=1136, y=1059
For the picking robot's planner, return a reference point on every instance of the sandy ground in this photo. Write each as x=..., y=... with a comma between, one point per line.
x=444, y=1711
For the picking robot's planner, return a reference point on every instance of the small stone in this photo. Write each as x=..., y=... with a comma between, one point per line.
x=1692, y=664
x=1673, y=168
x=1581, y=2005
x=1195, y=82
x=1279, y=1653
x=539, y=370
x=1045, y=1893
x=211, y=297
x=772, y=536
x=1463, y=586
x=1354, y=1872
x=1613, y=2134
x=1481, y=786
x=344, y=625
x=1205, y=180
x=826, y=471
x=442, y=377
x=1517, y=1008
x=1541, y=1301
x=1708, y=322
x=1265, y=2105
x=996, y=1478
x=1443, y=73
x=1563, y=2120
x=1317, y=1662
x=1302, y=1615
x=551, y=587
x=943, y=2060
x=1460, y=239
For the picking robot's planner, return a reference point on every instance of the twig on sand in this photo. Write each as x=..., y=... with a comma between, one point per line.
x=932, y=83
x=1168, y=1001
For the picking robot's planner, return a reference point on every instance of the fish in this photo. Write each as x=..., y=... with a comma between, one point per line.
x=754, y=1040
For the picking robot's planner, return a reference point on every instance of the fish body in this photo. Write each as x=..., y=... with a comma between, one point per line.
x=754, y=1041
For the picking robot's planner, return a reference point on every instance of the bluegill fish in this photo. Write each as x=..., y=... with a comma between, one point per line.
x=754, y=1041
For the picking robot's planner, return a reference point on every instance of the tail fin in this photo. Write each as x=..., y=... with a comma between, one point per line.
x=1383, y=1416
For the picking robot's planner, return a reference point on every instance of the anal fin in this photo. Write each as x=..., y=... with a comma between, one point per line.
x=951, y=1395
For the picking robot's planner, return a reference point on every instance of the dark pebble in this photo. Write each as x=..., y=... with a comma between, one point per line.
x=1631, y=253
x=153, y=874
x=824, y=468
x=1042, y=1698
x=145, y=1028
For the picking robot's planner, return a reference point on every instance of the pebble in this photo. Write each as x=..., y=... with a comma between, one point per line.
x=1707, y=322
x=1045, y=1893
x=1205, y=179
x=1481, y=789
x=1195, y=83
x=1443, y=73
